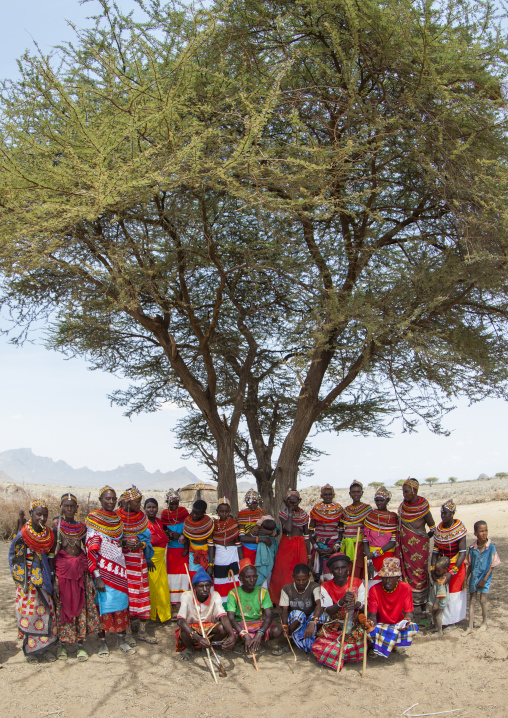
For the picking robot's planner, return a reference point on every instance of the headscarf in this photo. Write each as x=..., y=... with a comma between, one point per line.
x=104, y=489
x=68, y=497
x=337, y=557
x=223, y=500
x=131, y=494
x=200, y=576
x=413, y=483
x=172, y=494
x=356, y=483
x=38, y=502
x=292, y=492
x=450, y=505
x=251, y=496
x=383, y=492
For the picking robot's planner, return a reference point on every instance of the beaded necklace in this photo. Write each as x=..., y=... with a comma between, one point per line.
x=414, y=511
x=381, y=521
x=133, y=524
x=39, y=541
x=72, y=533
x=105, y=522
x=355, y=514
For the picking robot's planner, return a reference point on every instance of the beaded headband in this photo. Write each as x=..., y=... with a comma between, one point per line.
x=293, y=492
x=172, y=494
x=38, y=502
x=252, y=495
x=383, y=492
x=68, y=497
x=131, y=494
x=328, y=486
x=356, y=483
x=450, y=505
x=413, y=483
x=223, y=500
x=104, y=489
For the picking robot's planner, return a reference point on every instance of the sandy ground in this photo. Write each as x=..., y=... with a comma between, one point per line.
x=467, y=673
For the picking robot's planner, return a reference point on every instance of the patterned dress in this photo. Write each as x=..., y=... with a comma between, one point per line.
x=413, y=548
x=446, y=543
x=136, y=527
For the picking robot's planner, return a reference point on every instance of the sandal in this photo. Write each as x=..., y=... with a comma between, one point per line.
x=32, y=659
x=103, y=650
x=280, y=650
x=48, y=657
x=130, y=640
x=126, y=648
x=82, y=655
x=143, y=636
x=61, y=654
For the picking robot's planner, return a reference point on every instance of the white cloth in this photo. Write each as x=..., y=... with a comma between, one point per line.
x=327, y=601
x=210, y=609
x=456, y=608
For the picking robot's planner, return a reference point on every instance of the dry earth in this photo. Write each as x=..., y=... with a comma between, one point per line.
x=465, y=673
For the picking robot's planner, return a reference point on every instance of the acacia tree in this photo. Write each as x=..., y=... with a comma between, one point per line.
x=290, y=217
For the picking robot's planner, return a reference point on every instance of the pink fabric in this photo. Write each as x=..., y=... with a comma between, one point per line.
x=71, y=584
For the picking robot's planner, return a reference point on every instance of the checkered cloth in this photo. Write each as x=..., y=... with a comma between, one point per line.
x=326, y=649
x=386, y=636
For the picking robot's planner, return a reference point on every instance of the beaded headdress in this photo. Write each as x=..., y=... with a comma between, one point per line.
x=131, y=494
x=104, y=489
x=253, y=495
x=383, y=492
x=292, y=492
x=328, y=486
x=413, y=483
x=68, y=497
x=450, y=505
x=38, y=502
x=223, y=500
x=172, y=494
x=356, y=483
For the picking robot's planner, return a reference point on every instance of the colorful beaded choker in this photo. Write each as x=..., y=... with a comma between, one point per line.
x=381, y=520
x=355, y=514
x=134, y=524
x=326, y=513
x=414, y=511
x=105, y=522
x=41, y=542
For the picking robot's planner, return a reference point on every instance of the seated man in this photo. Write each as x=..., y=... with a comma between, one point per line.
x=257, y=610
x=213, y=617
x=390, y=606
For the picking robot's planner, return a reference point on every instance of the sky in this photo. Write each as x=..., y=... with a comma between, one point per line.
x=60, y=409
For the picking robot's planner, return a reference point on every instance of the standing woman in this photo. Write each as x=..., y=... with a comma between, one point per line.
x=353, y=517
x=294, y=547
x=74, y=591
x=30, y=569
x=158, y=578
x=450, y=541
x=106, y=563
x=380, y=532
x=226, y=552
x=247, y=519
x=172, y=519
x=197, y=531
x=138, y=552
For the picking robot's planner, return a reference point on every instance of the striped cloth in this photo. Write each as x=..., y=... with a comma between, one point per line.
x=305, y=644
x=386, y=636
x=326, y=649
x=226, y=559
x=137, y=584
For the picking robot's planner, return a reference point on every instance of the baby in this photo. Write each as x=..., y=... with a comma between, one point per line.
x=264, y=527
x=439, y=592
x=480, y=561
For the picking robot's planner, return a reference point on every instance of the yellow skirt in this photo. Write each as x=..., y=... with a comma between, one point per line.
x=159, y=588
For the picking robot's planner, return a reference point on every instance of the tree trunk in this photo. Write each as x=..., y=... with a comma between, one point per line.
x=226, y=484
x=288, y=465
x=264, y=480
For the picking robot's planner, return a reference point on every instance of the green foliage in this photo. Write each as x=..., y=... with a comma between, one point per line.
x=452, y=479
x=501, y=475
x=376, y=484
x=431, y=480
x=284, y=217
x=400, y=482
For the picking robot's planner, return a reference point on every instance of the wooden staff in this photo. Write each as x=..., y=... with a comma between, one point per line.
x=289, y=641
x=365, y=568
x=198, y=611
x=350, y=587
x=231, y=577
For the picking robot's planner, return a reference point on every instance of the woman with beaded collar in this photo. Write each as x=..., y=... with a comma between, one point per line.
x=30, y=569
x=73, y=591
x=353, y=518
x=106, y=563
x=450, y=541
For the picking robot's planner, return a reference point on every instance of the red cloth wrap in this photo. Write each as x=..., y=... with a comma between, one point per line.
x=71, y=584
x=292, y=551
x=457, y=581
x=201, y=558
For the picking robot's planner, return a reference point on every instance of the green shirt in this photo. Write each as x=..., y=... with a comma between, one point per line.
x=252, y=603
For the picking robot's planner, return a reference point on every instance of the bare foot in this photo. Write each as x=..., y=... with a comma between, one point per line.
x=186, y=654
x=483, y=627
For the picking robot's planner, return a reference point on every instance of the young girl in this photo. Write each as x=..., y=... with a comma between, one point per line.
x=481, y=559
x=30, y=569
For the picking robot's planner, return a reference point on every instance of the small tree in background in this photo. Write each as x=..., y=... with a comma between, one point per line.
x=376, y=484
x=452, y=479
x=400, y=482
x=501, y=475
x=431, y=480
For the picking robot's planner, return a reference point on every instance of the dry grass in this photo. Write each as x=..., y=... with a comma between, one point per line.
x=500, y=496
x=11, y=505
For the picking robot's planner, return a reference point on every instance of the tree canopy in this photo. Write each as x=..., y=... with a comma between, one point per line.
x=285, y=217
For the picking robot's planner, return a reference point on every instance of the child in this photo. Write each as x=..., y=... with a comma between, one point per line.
x=265, y=532
x=481, y=559
x=438, y=594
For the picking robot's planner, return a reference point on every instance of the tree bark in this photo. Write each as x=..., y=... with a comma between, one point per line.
x=226, y=485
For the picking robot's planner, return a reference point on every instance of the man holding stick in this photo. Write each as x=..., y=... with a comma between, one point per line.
x=213, y=618
x=256, y=604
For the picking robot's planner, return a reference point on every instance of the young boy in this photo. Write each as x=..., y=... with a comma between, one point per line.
x=439, y=592
x=481, y=559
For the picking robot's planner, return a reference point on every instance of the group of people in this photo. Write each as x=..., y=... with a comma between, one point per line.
x=340, y=578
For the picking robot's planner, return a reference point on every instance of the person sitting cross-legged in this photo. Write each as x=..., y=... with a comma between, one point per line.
x=257, y=610
x=213, y=618
x=390, y=611
x=301, y=610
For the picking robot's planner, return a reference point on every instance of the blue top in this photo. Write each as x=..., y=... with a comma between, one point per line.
x=480, y=565
x=146, y=537
x=177, y=528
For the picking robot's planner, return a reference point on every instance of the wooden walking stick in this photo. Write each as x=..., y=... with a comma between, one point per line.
x=365, y=568
x=350, y=587
x=200, y=623
x=289, y=641
x=231, y=577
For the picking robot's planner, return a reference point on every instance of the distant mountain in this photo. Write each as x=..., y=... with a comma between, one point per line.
x=22, y=465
